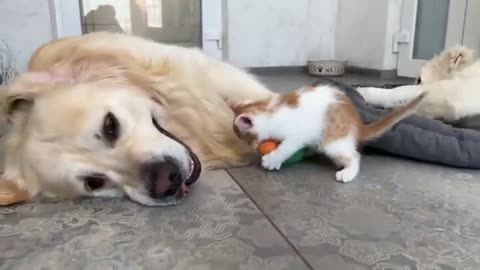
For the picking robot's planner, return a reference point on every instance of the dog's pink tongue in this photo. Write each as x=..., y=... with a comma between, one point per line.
x=185, y=189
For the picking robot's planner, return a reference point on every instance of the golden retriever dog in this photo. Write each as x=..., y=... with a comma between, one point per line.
x=109, y=115
x=452, y=81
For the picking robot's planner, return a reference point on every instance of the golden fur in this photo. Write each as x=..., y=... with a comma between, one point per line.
x=53, y=107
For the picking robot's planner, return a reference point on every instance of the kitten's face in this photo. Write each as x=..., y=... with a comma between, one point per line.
x=246, y=115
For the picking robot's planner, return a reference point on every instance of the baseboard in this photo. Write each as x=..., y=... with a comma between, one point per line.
x=381, y=74
x=278, y=70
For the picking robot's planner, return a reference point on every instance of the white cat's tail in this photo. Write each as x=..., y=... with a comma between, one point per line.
x=378, y=127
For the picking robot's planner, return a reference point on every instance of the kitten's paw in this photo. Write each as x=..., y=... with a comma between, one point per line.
x=346, y=175
x=271, y=162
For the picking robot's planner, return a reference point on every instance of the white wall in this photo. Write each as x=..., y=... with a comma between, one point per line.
x=364, y=34
x=288, y=33
x=259, y=33
x=24, y=25
x=263, y=33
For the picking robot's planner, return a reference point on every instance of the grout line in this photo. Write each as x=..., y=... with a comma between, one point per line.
x=295, y=249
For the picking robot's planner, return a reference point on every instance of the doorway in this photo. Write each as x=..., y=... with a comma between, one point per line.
x=168, y=21
x=187, y=23
x=427, y=28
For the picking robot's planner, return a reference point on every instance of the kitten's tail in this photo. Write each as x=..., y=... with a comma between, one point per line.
x=378, y=127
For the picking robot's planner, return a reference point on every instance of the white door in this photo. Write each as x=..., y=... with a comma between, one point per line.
x=427, y=28
x=189, y=23
x=212, y=28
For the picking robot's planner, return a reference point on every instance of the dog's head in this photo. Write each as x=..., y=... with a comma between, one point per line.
x=446, y=64
x=99, y=133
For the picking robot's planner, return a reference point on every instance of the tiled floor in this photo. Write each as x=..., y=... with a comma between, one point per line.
x=398, y=215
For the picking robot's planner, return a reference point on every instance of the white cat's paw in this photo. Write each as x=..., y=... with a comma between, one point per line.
x=346, y=175
x=271, y=162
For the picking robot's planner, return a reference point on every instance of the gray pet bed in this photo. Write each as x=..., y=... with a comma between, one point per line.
x=421, y=138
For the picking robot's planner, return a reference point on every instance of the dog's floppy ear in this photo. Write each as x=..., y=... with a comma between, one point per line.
x=11, y=193
x=19, y=95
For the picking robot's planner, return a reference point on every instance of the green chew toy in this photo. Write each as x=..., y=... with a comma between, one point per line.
x=268, y=146
x=296, y=157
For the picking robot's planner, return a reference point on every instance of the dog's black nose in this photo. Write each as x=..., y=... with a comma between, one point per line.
x=164, y=178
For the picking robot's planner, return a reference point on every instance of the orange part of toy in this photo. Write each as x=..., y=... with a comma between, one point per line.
x=267, y=146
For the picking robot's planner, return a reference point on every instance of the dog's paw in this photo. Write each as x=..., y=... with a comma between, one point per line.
x=271, y=162
x=10, y=193
x=346, y=175
x=366, y=92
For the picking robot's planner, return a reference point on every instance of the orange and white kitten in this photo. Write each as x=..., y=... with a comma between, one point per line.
x=320, y=117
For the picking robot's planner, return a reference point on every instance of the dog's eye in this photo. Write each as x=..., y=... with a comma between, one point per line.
x=111, y=128
x=418, y=81
x=94, y=181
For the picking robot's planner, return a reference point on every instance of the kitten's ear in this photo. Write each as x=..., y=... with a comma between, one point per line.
x=235, y=105
x=243, y=122
x=457, y=61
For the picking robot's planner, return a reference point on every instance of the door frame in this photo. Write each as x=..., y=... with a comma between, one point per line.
x=212, y=32
x=471, y=33
x=406, y=65
x=65, y=16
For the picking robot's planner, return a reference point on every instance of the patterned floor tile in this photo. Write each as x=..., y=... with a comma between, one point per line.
x=217, y=227
x=397, y=214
